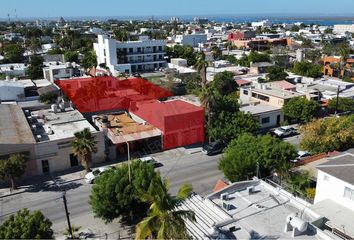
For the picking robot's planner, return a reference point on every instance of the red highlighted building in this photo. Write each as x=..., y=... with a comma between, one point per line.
x=181, y=123
x=108, y=93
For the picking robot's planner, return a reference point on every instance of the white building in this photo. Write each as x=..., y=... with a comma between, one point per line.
x=11, y=91
x=61, y=71
x=193, y=40
x=130, y=56
x=12, y=36
x=335, y=193
x=13, y=69
x=263, y=23
x=343, y=28
x=267, y=115
x=45, y=137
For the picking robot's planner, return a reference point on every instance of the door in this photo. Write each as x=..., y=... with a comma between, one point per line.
x=73, y=160
x=45, y=166
x=278, y=119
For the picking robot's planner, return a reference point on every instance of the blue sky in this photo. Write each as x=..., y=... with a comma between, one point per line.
x=67, y=8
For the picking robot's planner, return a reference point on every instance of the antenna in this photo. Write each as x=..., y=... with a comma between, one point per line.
x=8, y=17
x=16, y=15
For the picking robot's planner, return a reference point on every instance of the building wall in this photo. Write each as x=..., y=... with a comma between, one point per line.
x=27, y=149
x=269, y=119
x=329, y=187
x=274, y=101
x=191, y=39
x=57, y=153
x=11, y=93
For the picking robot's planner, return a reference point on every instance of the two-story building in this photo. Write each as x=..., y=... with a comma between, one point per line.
x=131, y=56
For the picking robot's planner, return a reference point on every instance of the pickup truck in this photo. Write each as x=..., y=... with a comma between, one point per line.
x=285, y=131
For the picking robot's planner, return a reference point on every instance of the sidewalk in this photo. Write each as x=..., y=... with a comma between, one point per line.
x=37, y=183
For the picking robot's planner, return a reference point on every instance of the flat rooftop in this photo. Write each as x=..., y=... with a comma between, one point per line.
x=279, y=93
x=14, y=128
x=48, y=125
x=262, y=213
x=122, y=128
x=259, y=108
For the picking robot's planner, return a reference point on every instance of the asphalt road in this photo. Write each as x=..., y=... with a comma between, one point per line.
x=179, y=166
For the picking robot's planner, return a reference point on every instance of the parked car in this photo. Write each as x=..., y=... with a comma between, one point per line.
x=214, y=148
x=300, y=156
x=96, y=172
x=284, y=131
x=150, y=160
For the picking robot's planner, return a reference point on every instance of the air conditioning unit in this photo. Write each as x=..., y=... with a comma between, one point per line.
x=251, y=190
x=224, y=196
x=29, y=119
x=34, y=127
x=226, y=206
x=39, y=137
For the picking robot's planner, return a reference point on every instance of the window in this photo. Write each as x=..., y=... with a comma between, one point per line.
x=265, y=120
x=245, y=92
x=130, y=50
x=349, y=193
x=45, y=166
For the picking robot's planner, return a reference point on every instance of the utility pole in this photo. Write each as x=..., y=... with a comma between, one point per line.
x=67, y=214
x=337, y=101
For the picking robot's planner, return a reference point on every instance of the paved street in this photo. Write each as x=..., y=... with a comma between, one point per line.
x=178, y=165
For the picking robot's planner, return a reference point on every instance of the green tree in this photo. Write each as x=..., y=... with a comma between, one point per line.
x=14, y=53
x=225, y=83
x=83, y=146
x=201, y=65
x=12, y=168
x=34, y=70
x=276, y=73
x=300, y=109
x=113, y=196
x=228, y=125
x=241, y=157
x=71, y=56
x=26, y=225
x=307, y=69
x=48, y=98
x=344, y=104
x=35, y=45
x=55, y=51
x=325, y=135
x=165, y=220
x=89, y=60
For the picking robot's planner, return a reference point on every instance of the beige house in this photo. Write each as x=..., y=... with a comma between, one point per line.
x=265, y=94
x=45, y=136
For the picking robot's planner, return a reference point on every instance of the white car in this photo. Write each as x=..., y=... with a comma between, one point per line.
x=96, y=172
x=285, y=131
x=149, y=160
x=300, y=156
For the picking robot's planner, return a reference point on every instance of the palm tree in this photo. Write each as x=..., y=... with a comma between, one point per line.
x=209, y=98
x=201, y=65
x=83, y=146
x=165, y=220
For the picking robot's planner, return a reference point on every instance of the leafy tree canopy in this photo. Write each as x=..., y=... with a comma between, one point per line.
x=344, y=104
x=239, y=161
x=301, y=110
x=70, y=56
x=26, y=225
x=113, y=196
x=307, y=69
x=325, y=135
x=14, y=53
x=276, y=73
x=12, y=167
x=34, y=70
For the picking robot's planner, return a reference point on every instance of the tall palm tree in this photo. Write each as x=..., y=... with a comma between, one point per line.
x=201, y=65
x=209, y=98
x=83, y=146
x=165, y=220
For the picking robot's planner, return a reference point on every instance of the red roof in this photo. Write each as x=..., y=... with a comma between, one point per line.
x=241, y=82
x=219, y=185
x=284, y=85
x=97, y=94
